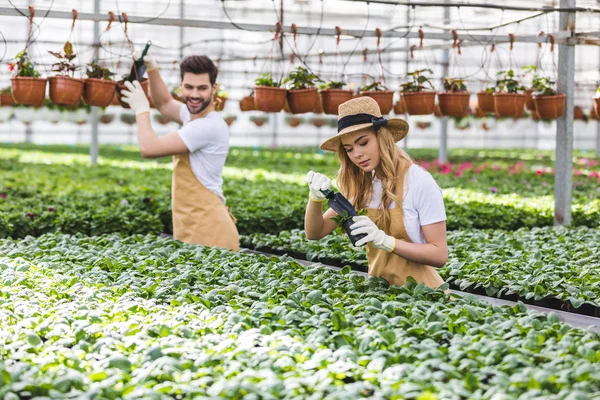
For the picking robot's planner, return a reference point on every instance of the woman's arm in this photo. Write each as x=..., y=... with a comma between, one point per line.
x=434, y=252
x=317, y=224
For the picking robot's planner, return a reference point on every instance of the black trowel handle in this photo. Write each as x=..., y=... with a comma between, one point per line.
x=138, y=69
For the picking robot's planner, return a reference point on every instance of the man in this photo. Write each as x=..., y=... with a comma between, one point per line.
x=199, y=149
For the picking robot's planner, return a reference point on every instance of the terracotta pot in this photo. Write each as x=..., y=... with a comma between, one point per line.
x=509, y=104
x=6, y=100
x=419, y=103
x=485, y=102
x=535, y=116
x=594, y=114
x=385, y=99
x=478, y=113
x=454, y=104
x=65, y=91
x=269, y=99
x=220, y=103
x=145, y=86
x=294, y=121
x=230, y=119
x=107, y=118
x=259, y=121
x=318, y=122
x=247, y=104
x=400, y=106
x=436, y=111
x=115, y=100
x=318, y=106
x=98, y=92
x=303, y=100
x=597, y=106
x=332, y=98
x=161, y=119
x=529, y=102
x=28, y=91
x=286, y=107
x=550, y=107
x=128, y=118
x=579, y=114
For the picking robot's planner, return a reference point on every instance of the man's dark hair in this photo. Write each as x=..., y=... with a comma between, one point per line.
x=199, y=65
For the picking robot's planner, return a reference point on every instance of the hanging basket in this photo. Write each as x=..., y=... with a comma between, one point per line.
x=594, y=114
x=230, y=119
x=293, y=121
x=302, y=100
x=161, y=119
x=269, y=99
x=332, y=98
x=485, y=102
x=318, y=122
x=107, y=118
x=128, y=118
x=385, y=99
x=145, y=86
x=597, y=106
x=220, y=102
x=509, y=104
x=419, y=103
x=98, y=92
x=579, y=114
x=65, y=91
x=259, y=121
x=115, y=99
x=247, y=104
x=550, y=107
x=529, y=102
x=454, y=104
x=436, y=110
x=400, y=106
x=6, y=100
x=28, y=91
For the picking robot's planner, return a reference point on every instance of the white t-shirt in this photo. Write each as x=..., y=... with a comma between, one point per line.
x=207, y=139
x=423, y=202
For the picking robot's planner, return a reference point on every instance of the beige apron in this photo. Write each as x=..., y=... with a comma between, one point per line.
x=390, y=266
x=199, y=215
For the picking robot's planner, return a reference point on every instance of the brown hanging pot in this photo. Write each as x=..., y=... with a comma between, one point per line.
x=302, y=100
x=145, y=86
x=419, y=103
x=65, y=91
x=247, y=104
x=485, y=102
x=332, y=98
x=107, y=118
x=597, y=106
x=385, y=99
x=454, y=104
x=529, y=102
x=318, y=122
x=550, y=107
x=269, y=99
x=509, y=105
x=6, y=100
x=28, y=91
x=98, y=92
x=220, y=102
x=400, y=106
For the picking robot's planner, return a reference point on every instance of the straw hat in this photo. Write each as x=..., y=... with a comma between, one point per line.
x=361, y=113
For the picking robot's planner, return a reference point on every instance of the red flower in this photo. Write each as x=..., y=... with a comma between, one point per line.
x=3, y=195
x=11, y=67
x=51, y=209
x=539, y=172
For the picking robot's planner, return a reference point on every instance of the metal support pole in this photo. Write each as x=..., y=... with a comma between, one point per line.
x=95, y=116
x=181, y=32
x=563, y=177
x=443, y=150
x=598, y=125
x=407, y=66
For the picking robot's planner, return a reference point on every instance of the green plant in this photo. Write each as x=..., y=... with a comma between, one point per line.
x=332, y=85
x=419, y=79
x=598, y=93
x=301, y=78
x=375, y=86
x=222, y=91
x=266, y=79
x=454, y=85
x=23, y=66
x=98, y=72
x=6, y=90
x=507, y=82
x=543, y=86
x=65, y=65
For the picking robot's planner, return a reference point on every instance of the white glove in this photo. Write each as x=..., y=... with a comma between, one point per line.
x=316, y=183
x=136, y=98
x=376, y=236
x=151, y=64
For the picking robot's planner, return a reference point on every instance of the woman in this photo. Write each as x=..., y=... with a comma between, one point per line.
x=376, y=174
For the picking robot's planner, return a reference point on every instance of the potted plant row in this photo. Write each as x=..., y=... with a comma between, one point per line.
x=418, y=100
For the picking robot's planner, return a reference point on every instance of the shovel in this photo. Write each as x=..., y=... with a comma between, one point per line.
x=138, y=69
x=342, y=207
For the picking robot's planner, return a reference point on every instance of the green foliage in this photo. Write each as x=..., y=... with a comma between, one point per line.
x=419, y=80
x=301, y=78
x=65, y=65
x=23, y=66
x=6, y=90
x=373, y=87
x=98, y=72
x=544, y=86
x=455, y=85
x=332, y=85
x=266, y=79
x=507, y=82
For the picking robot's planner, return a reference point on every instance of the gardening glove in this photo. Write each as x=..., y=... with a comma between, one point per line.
x=151, y=64
x=316, y=183
x=363, y=224
x=136, y=98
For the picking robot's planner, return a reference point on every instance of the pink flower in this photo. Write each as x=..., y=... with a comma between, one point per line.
x=458, y=173
x=496, y=167
x=31, y=215
x=578, y=172
x=3, y=195
x=594, y=174
x=51, y=209
x=493, y=189
x=539, y=172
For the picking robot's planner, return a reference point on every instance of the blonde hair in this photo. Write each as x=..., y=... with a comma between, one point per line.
x=357, y=185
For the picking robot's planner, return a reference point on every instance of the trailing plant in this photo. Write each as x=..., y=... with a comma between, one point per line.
x=96, y=71
x=419, y=79
x=266, y=79
x=454, y=85
x=507, y=82
x=373, y=87
x=65, y=65
x=543, y=86
x=301, y=78
x=23, y=66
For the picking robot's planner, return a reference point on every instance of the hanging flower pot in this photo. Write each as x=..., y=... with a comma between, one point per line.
x=318, y=106
x=107, y=118
x=220, y=102
x=419, y=103
x=529, y=101
x=65, y=91
x=128, y=118
x=28, y=91
x=509, y=104
x=247, y=104
x=6, y=99
x=115, y=99
x=286, y=107
x=383, y=97
x=98, y=89
x=145, y=86
x=550, y=107
x=302, y=100
x=594, y=114
x=485, y=102
x=436, y=111
x=318, y=122
x=579, y=114
x=400, y=106
x=258, y=120
x=161, y=119
x=478, y=113
x=230, y=119
x=454, y=104
x=535, y=116
x=597, y=105
x=268, y=96
x=293, y=121
x=423, y=125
